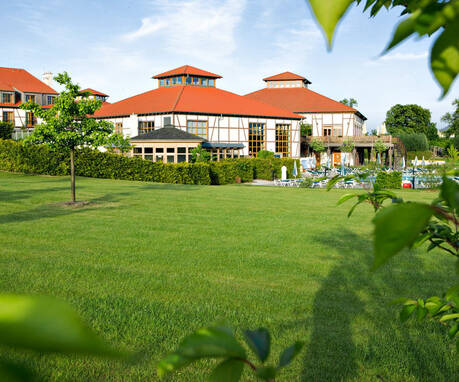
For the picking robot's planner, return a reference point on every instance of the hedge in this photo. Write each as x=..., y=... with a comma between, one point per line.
x=413, y=154
x=39, y=159
x=6, y=130
x=389, y=179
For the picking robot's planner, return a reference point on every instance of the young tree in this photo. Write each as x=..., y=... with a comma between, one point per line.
x=452, y=121
x=423, y=18
x=410, y=119
x=198, y=154
x=68, y=124
x=351, y=102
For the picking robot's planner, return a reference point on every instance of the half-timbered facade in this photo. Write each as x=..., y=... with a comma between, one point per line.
x=188, y=98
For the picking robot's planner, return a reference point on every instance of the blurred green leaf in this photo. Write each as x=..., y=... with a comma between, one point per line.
x=396, y=227
x=12, y=372
x=328, y=13
x=444, y=56
x=229, y=370
x=453, y=331
x=450, y=193
x=171, y=363
x=346, y=197
x=406, y=312
x=266, y=373
x=47, y=325
x=404, y=30
x=421, y=313
x=290, y=353
x=259, y=341
x=448, y=317
x=211, y=342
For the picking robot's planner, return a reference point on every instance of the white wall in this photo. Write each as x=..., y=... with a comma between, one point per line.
x=349, y=123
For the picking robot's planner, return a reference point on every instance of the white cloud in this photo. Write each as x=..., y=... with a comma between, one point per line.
x=192, y=27
x=403, y=56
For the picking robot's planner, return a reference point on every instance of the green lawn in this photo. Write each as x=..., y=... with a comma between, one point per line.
x=145, y=264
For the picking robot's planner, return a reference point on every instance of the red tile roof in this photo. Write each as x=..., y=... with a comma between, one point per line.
x=187, y=69
x=299, y=100
x=285, y=76
x=94, y=92
x=19, y=79
x=193, y=99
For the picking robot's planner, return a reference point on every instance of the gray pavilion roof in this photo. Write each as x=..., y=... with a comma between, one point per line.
x=169, y=133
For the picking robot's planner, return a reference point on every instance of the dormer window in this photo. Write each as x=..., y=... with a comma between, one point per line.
x=195, y=81
x=204, y=82
x=7, y=98
x=211, y=82
x=161, y=82
x=186, y=75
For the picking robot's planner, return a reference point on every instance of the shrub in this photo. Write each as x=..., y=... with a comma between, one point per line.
x=387, y=180
x=415, y=142
x=410, y=155
x=306, y=183
x=306, y=130
x=347, y=146
x=6, y=130
x=265, y=154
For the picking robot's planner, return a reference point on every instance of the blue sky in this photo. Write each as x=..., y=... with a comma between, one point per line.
x=116, y=46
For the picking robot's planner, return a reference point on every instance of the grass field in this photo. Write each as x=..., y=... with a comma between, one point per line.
x=145, y=264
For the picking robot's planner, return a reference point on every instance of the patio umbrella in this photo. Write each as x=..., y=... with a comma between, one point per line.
x=423, y=163
x=295, y=170
x=403, y=162
x=342, y=165
x=415, y=161
x=379, y=159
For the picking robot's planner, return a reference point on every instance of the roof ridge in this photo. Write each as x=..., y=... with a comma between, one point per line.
x=178, y=98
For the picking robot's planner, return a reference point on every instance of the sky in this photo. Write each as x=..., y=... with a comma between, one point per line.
x=116, y=46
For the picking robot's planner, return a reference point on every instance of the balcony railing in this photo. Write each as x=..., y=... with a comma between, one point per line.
x=362, y=140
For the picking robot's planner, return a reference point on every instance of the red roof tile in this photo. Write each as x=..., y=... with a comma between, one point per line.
x=94, y=92
x=285, y=76
x=187, y=69
x=19, y=79
x=193, y=99
x=299, y=100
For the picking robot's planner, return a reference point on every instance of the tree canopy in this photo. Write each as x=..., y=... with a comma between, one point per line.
x=408, y=119
x=452, y=121
x=351, y=102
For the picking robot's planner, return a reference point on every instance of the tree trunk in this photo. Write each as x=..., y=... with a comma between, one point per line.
x=72, y=173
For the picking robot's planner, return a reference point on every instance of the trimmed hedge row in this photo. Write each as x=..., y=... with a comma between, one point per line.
x=38, y=159
x=389, y=179
x=413, y=154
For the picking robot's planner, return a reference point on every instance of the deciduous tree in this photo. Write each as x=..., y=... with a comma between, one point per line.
x=68, y=124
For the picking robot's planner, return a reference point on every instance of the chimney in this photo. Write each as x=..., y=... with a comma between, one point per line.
x=47, y=78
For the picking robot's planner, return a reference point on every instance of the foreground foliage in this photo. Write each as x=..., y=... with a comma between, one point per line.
x=423, y=18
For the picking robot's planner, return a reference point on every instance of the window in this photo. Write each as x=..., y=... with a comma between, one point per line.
x=7, y=98
x=8, y=116
x=179, y=80
x=327, y=131
x=148, y=150
x=166, y=121
x=188, y=80
x=160, y=150
x=204, y=81
x=198, y=128
x=146, y=126
x=119, y=128
x=50, y=100
x=256, y=138
x=283, y=139
x=337, y=131
x=171, y=150
x=195, y=81
x=161, y=82
x=30, y=98
x=137, y=151
x=174, y=81
x=31, y=121
x=168, y=81
x=211, y=82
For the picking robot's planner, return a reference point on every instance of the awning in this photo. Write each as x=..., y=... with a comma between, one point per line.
x=215, y=145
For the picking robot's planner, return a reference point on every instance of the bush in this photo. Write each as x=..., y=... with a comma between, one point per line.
x=226, y=171
x=388, y=180
x=6, y=130
x=410, y=155
x=265, y=154
x=415, y=142
x=306, y=183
